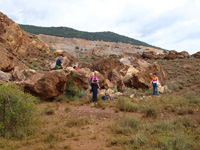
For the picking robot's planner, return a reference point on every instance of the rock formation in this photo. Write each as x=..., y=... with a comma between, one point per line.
x=47, y=84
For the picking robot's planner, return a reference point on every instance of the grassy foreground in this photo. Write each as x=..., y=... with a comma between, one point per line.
x=144, y=123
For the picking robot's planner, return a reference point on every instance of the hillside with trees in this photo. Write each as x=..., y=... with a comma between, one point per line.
x=94, y=36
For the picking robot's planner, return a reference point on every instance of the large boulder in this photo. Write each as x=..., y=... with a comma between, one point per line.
x=174, y=54
x=152, y=55
x=107, y=84
x=141, y=64
x=142, y=79
x=129, y=74
x=183, y=54
x=117, y=79
x=196, y=55
x=47, y=84
x=22, y=74
x=81, y=78
x=171, y=55
x=106, y=65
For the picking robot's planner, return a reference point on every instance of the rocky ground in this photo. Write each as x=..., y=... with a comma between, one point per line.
x=130, y=119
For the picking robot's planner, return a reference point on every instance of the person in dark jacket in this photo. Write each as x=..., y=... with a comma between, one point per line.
x=59, y=62
x=95, y=86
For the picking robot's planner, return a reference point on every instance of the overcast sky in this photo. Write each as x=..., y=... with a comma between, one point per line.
x=170, y=24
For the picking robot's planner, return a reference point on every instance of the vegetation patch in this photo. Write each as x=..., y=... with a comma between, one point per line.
x=17, y=112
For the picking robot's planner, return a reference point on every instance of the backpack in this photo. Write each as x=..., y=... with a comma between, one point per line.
x=104, y=98
x=90, y=82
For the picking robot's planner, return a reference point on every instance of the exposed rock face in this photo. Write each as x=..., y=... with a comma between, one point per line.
x=81, y=78
x=47, y=84
x=4, y=77
x=18, y=48
x=174, y=54
x=196, y=55
x=117, y=79
x=17, y=39
x=21, y=75
x=152, y=55
x=106, y=65
x=142, y=79
x=75, y=46
x=108, y=84
x=8, y=60
x=171, y=55
x=184, y=54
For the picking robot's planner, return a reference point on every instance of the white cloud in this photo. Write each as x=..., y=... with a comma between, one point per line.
x=170, y=24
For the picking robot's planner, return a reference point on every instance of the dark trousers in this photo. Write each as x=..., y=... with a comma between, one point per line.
x=95, y=92
x=155, y=89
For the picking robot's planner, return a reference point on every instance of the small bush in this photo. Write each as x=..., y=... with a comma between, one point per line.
x=150, y=112
x=17, y=112
x=124, y=104
x=72, y=91
x=129, y=121
x=126, y=124
x=61, y=98
x=67, y=109
x=165, y=125
x=74, y=121
x=48, y=111
x=178, y=142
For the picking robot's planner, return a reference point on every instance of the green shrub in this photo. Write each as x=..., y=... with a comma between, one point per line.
x=17, y=112
x=129, y=121
x=48, y=111
x=72, y=91
x=124, y=104
x=67, y=109
x=72, y=121
x=125, y=125
x=179, y=142
x=150, y=112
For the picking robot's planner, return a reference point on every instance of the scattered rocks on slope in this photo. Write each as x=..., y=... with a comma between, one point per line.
x=152, y=55
x=174, y=54
x=4, y=77
x=196, y=55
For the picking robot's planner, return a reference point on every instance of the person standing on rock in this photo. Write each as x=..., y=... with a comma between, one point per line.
x=95, y=86
x=59, y=64
x=155, y=83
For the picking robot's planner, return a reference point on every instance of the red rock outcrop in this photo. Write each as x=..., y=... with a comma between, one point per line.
x=142, y=79
x=47, y=84
x=196, y=55
x=152, y=55
x=18, y=47
x=174, y=54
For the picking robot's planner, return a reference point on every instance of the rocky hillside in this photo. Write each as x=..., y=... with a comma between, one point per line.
x=92, y=36
x=76, y=46
x=118, y=67
x=18, y=48
x=26, y=55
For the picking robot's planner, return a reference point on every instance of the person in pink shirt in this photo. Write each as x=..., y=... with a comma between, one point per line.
x=95, y=86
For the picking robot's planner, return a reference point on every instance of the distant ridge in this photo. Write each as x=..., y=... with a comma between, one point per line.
x=72, y=33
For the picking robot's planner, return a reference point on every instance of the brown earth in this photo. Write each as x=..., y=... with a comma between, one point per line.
x=54, y=133
x=75, y=46
x=19, y=48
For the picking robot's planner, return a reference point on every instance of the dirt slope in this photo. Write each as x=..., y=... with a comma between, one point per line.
x=75, y=46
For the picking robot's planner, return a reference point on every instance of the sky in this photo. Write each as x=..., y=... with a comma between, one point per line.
x=169, y=24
